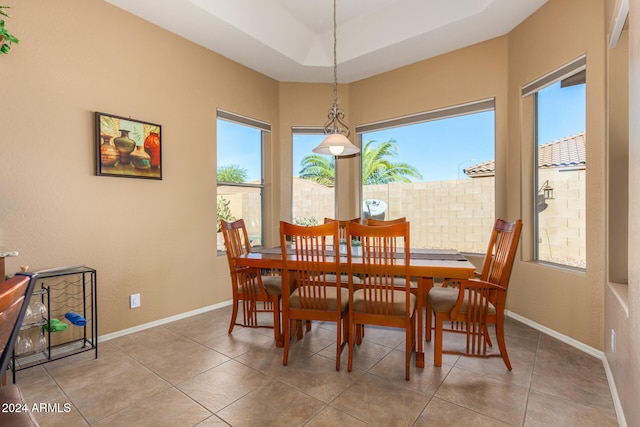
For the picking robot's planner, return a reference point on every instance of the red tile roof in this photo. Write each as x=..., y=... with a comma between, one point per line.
x=564, y=152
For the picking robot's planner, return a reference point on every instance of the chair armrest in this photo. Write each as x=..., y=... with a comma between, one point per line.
x=478, y=294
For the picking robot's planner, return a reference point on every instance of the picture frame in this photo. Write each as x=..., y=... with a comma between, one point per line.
x=127, y=147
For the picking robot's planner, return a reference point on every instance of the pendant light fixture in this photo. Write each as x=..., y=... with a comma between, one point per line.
x=337, y=129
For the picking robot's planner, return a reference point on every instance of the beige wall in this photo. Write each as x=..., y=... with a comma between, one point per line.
x=566, y=301
x=143, y=236
x=622, y=309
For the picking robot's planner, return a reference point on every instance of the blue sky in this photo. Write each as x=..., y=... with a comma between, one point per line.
x=438, y=149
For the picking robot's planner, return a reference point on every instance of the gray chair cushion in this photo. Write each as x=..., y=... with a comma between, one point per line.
x=344, y=279
x=442, y=300
x=294, y=300
x=399, y=302
x=272, y=284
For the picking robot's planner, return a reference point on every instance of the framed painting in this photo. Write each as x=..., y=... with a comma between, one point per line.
x=128, y=148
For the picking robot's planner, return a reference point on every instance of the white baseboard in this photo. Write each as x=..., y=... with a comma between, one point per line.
x=565, y=339
x=159, y=322
x=622, y=422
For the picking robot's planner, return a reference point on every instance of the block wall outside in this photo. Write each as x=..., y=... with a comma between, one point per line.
x=445, y=214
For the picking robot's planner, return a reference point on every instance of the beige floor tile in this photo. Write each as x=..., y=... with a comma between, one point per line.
x=108, y=396
x=568, y=373
x=268, y=359
x=186, y=364
x=494, y=367
x=200, y=328
x=380, y=402
x=275, y=404
x=425, y=380
x=497, y=399
x=239, y=342
x=317, y=377
x=544, y=410
x=167, y=408
x=440, y=413
x=365, y=355
x=84, y=373
x=330, y=416
x=152, y=344
x=221, y=386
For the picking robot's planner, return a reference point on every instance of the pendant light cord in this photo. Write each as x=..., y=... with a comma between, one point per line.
x=335, y=57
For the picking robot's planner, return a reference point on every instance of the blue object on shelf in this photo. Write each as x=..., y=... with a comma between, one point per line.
x=75, y=318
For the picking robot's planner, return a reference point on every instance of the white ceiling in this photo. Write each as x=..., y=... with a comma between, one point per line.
x=292, y=40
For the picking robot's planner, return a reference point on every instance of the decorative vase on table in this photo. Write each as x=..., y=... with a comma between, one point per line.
x=125, y=146
x=152, y=147
x=108, y=152
x=140, y=159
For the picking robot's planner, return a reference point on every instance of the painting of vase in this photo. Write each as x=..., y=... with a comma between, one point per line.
x=127, y=147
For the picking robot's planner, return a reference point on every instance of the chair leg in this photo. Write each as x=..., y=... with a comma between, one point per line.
x=408, y=350
x=429, y=324
x=501, y=343
x=234, y=315
x=437, y=348
x=352, y=338
x=286, y=326
x=277, y=331
x=339, y=328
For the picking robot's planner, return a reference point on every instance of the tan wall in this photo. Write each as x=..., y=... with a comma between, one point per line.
x=143, y=236
x=622, y=310
x=571, y=303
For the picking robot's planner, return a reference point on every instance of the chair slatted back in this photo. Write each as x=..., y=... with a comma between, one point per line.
x=245, y=280
x=385, y=258
x=501, y=252
x=342, y=226
x=236, y=239
x=380, y=222
x=312, y=258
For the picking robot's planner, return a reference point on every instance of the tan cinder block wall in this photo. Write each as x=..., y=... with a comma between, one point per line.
x=443, y=214
x=562, y=225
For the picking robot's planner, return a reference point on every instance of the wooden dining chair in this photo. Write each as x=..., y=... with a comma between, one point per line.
x=379, y=299
x=249, y=286
x=378, y=222
x=309, y=263
x=474, y=304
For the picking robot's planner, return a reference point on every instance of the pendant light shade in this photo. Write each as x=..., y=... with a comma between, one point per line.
x=336, y=144
x=337, y=129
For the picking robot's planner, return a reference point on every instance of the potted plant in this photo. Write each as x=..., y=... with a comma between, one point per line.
x=343, y=246
x=356, y=247
x=6, y=38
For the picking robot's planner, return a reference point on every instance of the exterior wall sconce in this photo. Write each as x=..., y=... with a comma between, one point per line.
x=544, y=193
x=547, y=190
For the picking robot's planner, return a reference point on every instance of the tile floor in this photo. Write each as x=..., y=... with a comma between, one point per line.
x=191, y=373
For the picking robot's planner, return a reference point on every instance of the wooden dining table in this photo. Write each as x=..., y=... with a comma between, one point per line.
x=424, y=265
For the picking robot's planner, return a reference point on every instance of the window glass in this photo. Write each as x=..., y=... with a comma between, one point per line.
x=439, y=174
x=313, y=188
x=560, y=208
x=239, y=177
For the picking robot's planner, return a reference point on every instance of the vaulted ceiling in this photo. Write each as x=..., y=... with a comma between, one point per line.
x=292, y=40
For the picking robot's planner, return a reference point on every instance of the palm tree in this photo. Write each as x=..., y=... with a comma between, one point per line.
x=377, y=166
x=320, y=169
